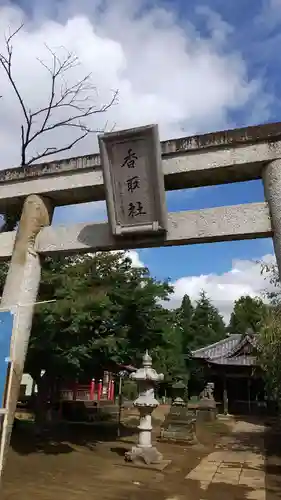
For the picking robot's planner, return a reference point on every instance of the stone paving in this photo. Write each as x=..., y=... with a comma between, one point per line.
x=236, y=466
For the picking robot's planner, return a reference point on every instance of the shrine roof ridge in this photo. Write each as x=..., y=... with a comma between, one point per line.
x=229, y=351
x=218, y=349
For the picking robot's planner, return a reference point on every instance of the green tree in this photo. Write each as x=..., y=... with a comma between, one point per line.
x=183, y=318
x=102, y=310
x=272, y=292
x=207, y=324
x=269, y=348
x=269, y=352
x=185, y=333
x=185, y=312
x=170, y=358
x=248, y=312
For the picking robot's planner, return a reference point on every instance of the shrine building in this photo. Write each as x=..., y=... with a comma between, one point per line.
x=232, y=365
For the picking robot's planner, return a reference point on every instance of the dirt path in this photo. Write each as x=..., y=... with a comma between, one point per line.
x=235, y=466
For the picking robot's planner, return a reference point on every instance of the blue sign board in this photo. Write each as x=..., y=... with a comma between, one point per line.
x=6, y=330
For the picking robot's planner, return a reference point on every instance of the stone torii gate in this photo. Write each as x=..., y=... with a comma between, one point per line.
x=210, y=159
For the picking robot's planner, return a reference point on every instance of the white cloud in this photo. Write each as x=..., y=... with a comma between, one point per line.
x=244, y=278
x=164, y=73
x=135, y=258
x=133, y=255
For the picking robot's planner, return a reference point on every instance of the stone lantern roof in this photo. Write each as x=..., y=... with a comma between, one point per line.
x=146, y=372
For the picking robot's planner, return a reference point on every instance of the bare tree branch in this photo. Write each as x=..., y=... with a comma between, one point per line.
x=68, y=105
x=51, y=151
x=84, y=112
x=6, y=63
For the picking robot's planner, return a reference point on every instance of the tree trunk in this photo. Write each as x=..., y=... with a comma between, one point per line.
x=42, y=402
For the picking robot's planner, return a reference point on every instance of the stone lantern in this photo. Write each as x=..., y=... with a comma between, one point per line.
x=178, y=390
x=146, y=378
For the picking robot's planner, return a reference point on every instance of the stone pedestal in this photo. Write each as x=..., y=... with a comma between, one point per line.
x=179, y=425
x=147, y=455
x=207, y=410
x=146, y=377
x=144, y=451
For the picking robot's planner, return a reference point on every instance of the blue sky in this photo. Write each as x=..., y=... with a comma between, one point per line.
x=238, y=37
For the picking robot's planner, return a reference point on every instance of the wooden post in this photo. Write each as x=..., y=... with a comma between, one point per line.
x=99, y=389
x=105, y=384
x=225, y=397
x=19, y=295
x=112, y=391
x=92, y=390
x=108, y=389
x=74, y=391
x=119, y=406
x=249, y=395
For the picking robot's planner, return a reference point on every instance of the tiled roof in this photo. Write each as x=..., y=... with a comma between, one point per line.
x=228, y=351
x=218, y=349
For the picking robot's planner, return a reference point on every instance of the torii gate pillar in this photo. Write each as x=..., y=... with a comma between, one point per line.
x=19, y=295
x=272, y=189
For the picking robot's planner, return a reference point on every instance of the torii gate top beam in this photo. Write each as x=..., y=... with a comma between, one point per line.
x=209, y=159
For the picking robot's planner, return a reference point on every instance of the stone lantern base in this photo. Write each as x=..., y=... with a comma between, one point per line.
x=146, y=377
x=148, y=455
